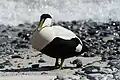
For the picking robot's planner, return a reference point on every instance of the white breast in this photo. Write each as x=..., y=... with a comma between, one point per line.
x=41, y=38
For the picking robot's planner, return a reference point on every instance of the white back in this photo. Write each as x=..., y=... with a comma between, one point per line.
x=63, y=32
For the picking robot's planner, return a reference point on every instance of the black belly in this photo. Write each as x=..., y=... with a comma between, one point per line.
x=60, y=48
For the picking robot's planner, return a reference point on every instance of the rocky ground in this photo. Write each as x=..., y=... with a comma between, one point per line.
x=102, y=63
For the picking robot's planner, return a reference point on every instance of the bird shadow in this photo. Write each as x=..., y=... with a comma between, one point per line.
x=39, y=69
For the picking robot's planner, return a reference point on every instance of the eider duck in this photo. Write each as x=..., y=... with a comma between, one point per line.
x=56, y=41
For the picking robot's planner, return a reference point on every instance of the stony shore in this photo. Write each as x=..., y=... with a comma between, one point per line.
x=18, y=58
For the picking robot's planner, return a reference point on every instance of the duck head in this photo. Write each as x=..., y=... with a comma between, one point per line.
x=45, y=21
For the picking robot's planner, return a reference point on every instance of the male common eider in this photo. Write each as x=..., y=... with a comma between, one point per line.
x=56, y=41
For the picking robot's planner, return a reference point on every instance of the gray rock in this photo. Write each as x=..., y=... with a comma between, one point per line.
x=77, y=62
x=114, y=63
x=16, y=56
x=91, y=69
x=41, y=60
x=108, y=70
x=34, y=66
x=2, y=66
x=110, y=38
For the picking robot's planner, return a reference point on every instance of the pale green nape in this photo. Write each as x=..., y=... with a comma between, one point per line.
x=41, y=24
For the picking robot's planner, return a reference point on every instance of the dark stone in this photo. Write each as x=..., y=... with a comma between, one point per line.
x=41, y=61
x=92, y=31
x=91, y=69
x=117, y=39
x=112, y=57
x=114, y=63
x=4, y=31
x=111, y=41
x=97, y=52
x=117, y=27
x=2, y=66
x=7, y=63
x=104, y=57
x=59, y=77
x=35, y=66
x=115, y=23
x=33, y=26
x=18, y=46
x=14, y=30
x=118, y=52
x=74, y=22
x=104, y=33
x=77, y=62
x=28, y=57
x=21, y=25
x=30, y=63
x=14, y=41
x=18, y=66
x=19, y=34
x=40, y=54
x=25, y=34
x=43, y=73
x=88, y=54
x=16, y=56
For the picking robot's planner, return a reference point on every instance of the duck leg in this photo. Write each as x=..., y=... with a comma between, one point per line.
x=59, y=63
x=56, y=63
x=62, y=60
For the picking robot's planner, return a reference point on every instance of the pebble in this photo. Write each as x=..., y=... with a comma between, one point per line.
x=41, y=61
x=43, y=73
x=106, y=70
x=2, y=66
x=59, y=77
x=114, y=63
x=16, y=56
x=91, y=69
x=108, y=39
x=35, y=66
x=25, y=34
x=77, y=62
x=88, y=54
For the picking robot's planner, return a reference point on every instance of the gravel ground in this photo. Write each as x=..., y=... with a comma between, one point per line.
x=18, y=58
